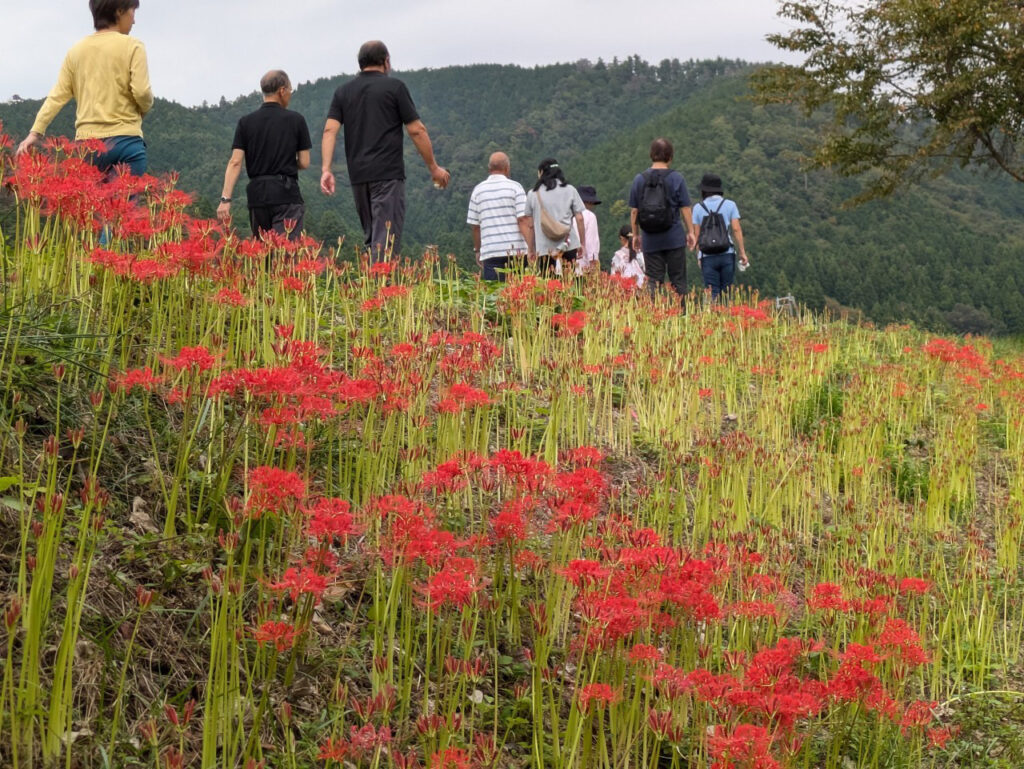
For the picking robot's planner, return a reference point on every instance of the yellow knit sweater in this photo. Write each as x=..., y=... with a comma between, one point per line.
x=107, y=76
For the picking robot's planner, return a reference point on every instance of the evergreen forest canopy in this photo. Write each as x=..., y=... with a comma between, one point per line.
x=945, y=254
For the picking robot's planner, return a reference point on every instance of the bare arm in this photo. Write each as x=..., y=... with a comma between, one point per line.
x=582, y=232
x=418, y=133
x=691, y=238
x=531, y=241
x=476, y=242
x=231, y=175
x=331, y=128
x=526, y=230
x=62, y=93
x=737, y=236
x=302, y=159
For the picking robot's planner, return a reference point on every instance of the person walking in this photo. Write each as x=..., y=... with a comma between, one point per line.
x=551, y=205
x=627, y=262
x=107, y=74
x=590, y=258
x=274, y=144
x=717, y=249
x=497, y=216
x=661, y=219
x=374, y=108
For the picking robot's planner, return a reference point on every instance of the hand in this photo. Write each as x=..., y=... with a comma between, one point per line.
x=440, y=176
x=637, y=242
x=28, y=143
x=744, y=260
x=224, y=214
x=691, y=241
x=327, y=183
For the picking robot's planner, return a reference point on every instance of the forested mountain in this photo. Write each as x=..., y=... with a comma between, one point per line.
x=947, y=254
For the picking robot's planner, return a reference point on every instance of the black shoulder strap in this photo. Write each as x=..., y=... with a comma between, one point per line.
x=721, y=203
x=706, y=209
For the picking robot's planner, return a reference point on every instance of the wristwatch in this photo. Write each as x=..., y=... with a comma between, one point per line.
x=224, y=199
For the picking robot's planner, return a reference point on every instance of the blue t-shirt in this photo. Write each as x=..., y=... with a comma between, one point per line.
x=729, y=211
x=678, y=197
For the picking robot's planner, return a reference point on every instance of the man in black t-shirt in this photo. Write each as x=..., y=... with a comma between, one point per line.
x=374, y=108
x=274, y=143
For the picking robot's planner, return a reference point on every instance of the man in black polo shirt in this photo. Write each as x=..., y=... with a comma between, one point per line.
x=274, y=143
x=374, y=108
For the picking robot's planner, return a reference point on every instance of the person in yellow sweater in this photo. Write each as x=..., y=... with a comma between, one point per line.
x=107, y=75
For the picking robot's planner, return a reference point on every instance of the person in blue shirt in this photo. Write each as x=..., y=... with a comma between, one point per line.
x=719, y=270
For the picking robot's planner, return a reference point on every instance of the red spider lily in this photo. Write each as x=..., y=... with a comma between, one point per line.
x=282, y=634
x=448, y=478
x=902, y=643
x=937, y=738
x=510, y=525
x=746, y=747
x=192, y=358
x=584, y=456
x=827, y=596
x=598, y=694
x=644, y=654
x=330, y=518
x=573, y=323
x=582, y=572
x=272, y=489
x=129, y=380
x=528, y=473
x=914, y=586
x=450, y=758
x=230, y=297
x=584, y=484
x=304, y=581
x=456, y=584
x=752, y=609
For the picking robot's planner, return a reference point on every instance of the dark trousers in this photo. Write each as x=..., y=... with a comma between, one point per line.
x=671, y=262
x=273, y=219
x=381, y=209
x=718, y=271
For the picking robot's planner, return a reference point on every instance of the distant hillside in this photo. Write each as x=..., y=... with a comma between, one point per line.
x=946, y=255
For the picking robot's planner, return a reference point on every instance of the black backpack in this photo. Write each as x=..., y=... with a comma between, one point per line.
x=714, y=234
x=654, y=214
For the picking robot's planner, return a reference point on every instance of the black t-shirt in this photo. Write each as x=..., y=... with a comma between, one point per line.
x=374, y=109
x=270, y=137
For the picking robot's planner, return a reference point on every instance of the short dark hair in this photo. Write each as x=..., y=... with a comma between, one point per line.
x=105, y=12
x=372, y=53
x=662, y=151
x=273, y=81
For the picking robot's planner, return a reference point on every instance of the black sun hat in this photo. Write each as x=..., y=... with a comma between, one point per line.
x=711, y=184
x=589, y=195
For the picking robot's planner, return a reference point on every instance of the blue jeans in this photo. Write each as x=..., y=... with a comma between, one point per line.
x=718, y=271
x=122, y=150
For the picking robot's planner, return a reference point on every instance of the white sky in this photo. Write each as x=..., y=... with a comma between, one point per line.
x=203, y=49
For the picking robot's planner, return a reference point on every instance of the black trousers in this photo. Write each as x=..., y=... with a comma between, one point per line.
x=381, y=209
x=671, y=262
x=273, y=218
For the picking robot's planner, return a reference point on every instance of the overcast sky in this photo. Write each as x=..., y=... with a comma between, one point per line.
x=204, y=49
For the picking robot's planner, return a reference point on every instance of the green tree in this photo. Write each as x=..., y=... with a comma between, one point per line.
x=913, y=85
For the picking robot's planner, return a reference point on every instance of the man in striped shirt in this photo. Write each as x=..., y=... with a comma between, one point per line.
x=497, y=214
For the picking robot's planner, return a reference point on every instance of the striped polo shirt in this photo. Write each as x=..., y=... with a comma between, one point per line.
x=495, y=206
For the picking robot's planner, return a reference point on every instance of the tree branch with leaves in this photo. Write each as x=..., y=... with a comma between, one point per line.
x=908, y=87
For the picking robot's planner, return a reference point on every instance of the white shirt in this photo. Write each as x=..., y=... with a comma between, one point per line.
x=627, y=269
x=495, y=206
x=592, y=244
